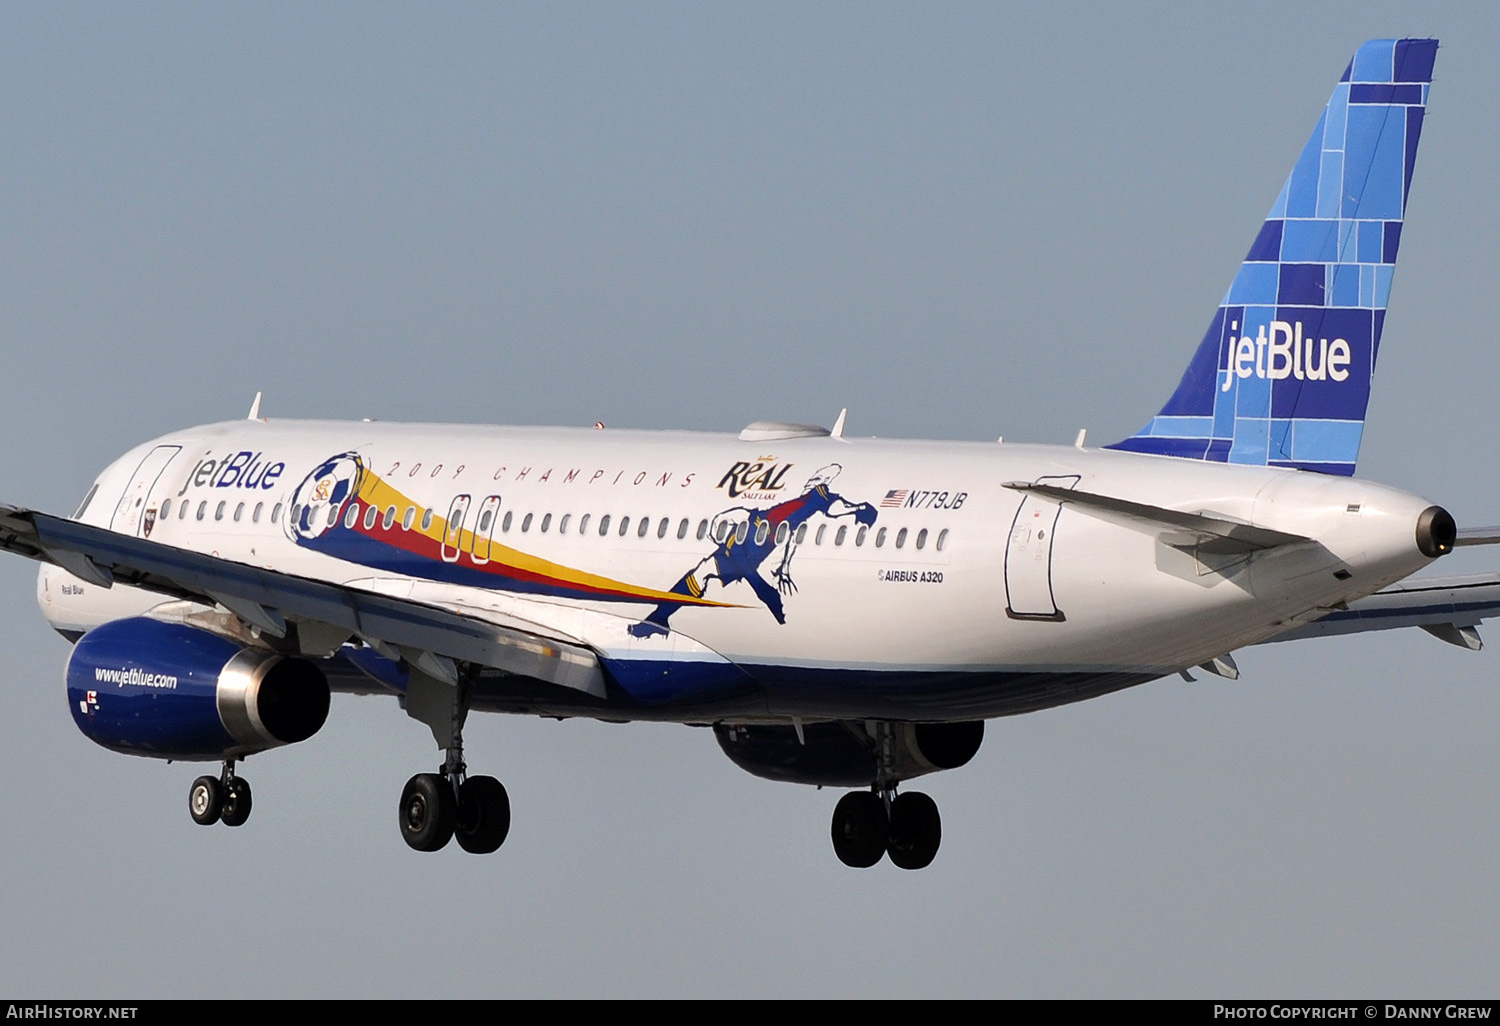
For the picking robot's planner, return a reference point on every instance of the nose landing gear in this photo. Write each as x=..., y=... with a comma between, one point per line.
x=223, y=799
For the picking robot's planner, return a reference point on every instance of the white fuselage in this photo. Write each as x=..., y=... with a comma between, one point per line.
x=889, y=560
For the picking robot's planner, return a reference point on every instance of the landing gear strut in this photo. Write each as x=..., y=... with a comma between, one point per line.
x=437, y=807
x=223, y=799
x=869, y=824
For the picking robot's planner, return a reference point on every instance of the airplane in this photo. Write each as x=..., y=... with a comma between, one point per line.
x=841, y=611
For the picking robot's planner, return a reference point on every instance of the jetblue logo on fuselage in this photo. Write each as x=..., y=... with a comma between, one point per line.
x=1285, y=353
x=243, y=469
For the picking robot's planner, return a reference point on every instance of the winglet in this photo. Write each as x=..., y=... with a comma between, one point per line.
x=254, y=413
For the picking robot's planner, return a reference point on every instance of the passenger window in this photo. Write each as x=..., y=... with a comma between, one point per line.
x=838, y=539
x=505, y=524
x=526, y=523
x=409, y=519
x=921, y=537
x=721, y=532
x=801, y=534
x=371, y=515
x=604, y=525
x=182, y=511
x=741, y=532
x=761, y=530
x=333, y=513
x=202, y=509
x=783, y=532
x=276, y=513
x=166, y=508
x=562, y=525
x=546, y=522
x=640, y=532
x=389, y=518
x=484, y=521
x=702, y=529
x=239, y=511
x=682, y=529
x=255, y=516
x=818, y=538
x=296, y=512
x=942, y=539
x=219, y=511
x=859, y=537
x=583, y=523
x=624, y=526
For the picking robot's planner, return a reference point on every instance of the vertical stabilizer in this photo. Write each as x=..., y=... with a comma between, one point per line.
x=1282, y=377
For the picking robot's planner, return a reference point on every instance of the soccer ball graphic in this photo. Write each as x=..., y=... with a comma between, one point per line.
x=319, y=500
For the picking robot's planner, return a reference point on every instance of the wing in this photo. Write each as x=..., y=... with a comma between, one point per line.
x=428, y=636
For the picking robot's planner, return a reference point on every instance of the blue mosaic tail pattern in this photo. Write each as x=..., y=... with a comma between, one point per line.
x=1282, y=377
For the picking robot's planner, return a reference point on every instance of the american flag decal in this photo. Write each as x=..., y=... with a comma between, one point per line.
x=895, y=497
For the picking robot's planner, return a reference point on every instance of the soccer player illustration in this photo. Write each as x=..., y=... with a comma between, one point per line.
x=747, y=537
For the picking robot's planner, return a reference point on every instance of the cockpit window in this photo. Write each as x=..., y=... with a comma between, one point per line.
x=78, y=513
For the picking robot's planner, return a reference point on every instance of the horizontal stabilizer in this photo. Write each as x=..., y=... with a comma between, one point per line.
x=1246, y=536
x=1477, y=536
x=1449, y=608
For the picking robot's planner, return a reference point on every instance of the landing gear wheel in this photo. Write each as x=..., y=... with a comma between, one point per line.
x=428, y=811
x=483, y=815
x=916, y=830
x=859, y=829
x=205, y=801
x=236, y=803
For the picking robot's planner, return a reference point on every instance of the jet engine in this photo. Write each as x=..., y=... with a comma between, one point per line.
x=174, y=691
x=845, y=754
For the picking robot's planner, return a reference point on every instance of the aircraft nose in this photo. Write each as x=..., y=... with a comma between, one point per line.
x=1436, y=532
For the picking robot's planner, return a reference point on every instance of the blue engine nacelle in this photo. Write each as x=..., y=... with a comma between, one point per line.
x=844, y=754
x=172, y=691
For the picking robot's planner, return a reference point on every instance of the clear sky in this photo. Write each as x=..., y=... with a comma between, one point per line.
x=958, y=220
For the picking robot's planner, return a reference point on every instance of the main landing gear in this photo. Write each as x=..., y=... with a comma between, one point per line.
x=869, y=824
x=223, y=799
x=437, y=807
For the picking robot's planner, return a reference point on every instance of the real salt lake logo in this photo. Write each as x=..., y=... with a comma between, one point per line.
x=1285, y=354
x=319, y=499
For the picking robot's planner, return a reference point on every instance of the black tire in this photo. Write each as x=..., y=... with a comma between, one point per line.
x=205, y=801
x=916, y=831
x=483, y=815
x=427, y=812
x=236, y=803
x=859, y=829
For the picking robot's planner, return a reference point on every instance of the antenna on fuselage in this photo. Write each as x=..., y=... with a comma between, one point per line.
x=254, y=413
